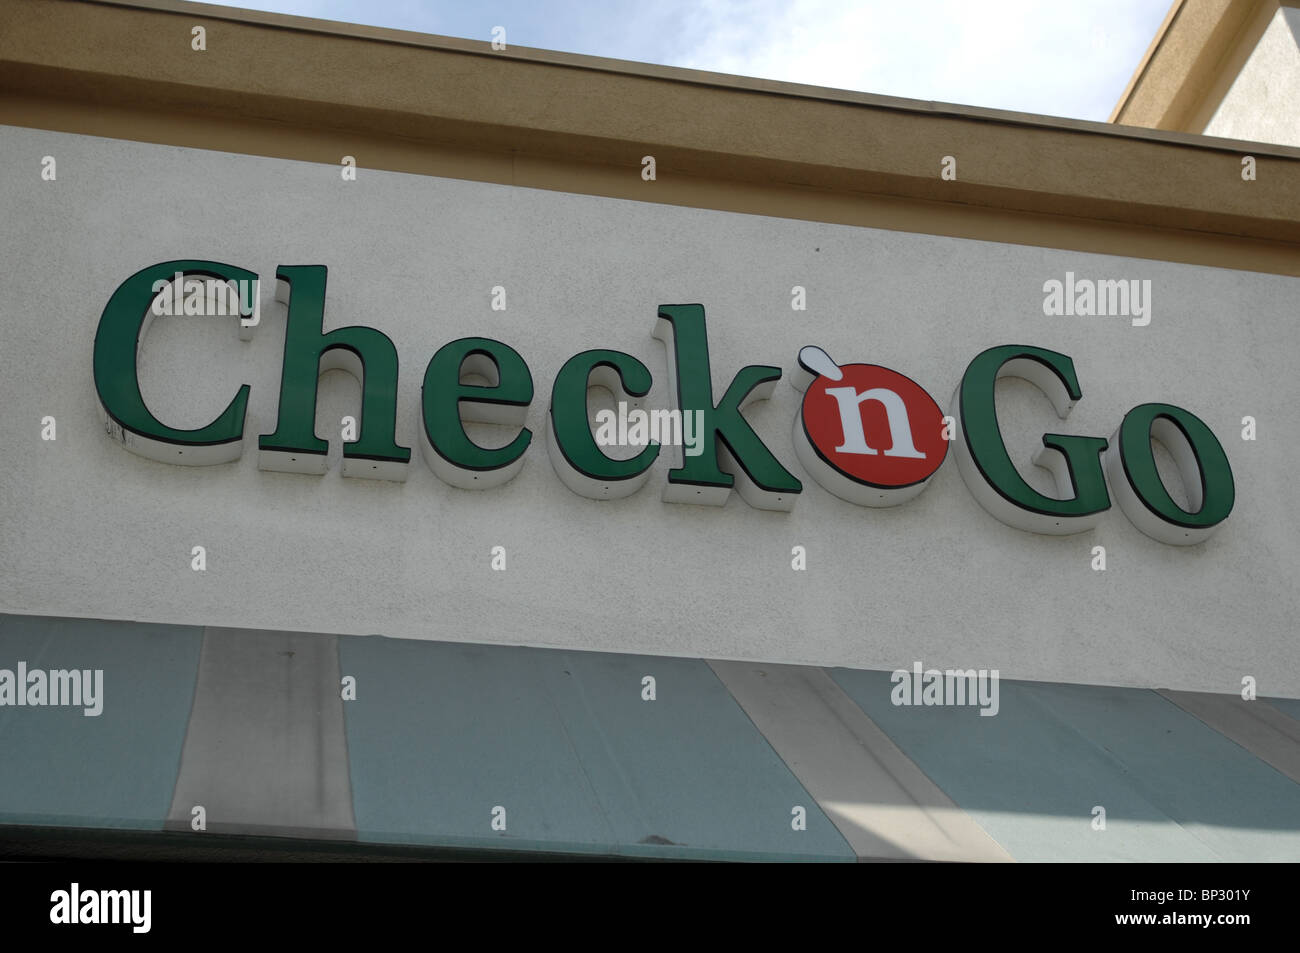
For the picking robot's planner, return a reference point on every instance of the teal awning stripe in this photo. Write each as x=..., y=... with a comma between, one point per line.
x=117, y=769
x=441, y=734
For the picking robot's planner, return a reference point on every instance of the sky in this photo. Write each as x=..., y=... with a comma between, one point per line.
x=1068, y=58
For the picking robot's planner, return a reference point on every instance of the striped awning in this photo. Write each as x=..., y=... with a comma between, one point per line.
x=500, y=748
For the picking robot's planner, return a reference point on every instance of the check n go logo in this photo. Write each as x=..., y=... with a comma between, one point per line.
x=868, y=434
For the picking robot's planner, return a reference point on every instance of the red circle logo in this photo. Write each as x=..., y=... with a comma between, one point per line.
x=876, y=426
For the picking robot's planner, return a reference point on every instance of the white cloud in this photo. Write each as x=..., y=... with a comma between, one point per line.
x=1058, y=58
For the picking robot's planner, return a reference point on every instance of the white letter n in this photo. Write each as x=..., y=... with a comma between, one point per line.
x=900, y=427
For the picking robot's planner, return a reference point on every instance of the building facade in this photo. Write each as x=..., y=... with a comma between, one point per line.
x=966, y=534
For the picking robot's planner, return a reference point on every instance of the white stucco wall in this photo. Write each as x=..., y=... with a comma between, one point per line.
x=92, y=530
x=1261, y=105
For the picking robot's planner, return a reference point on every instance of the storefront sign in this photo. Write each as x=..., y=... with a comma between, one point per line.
x=868, y=434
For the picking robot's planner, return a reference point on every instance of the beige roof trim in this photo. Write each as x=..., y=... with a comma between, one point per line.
x=312, y=90
x=1196, y=54
x=1145, y=62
